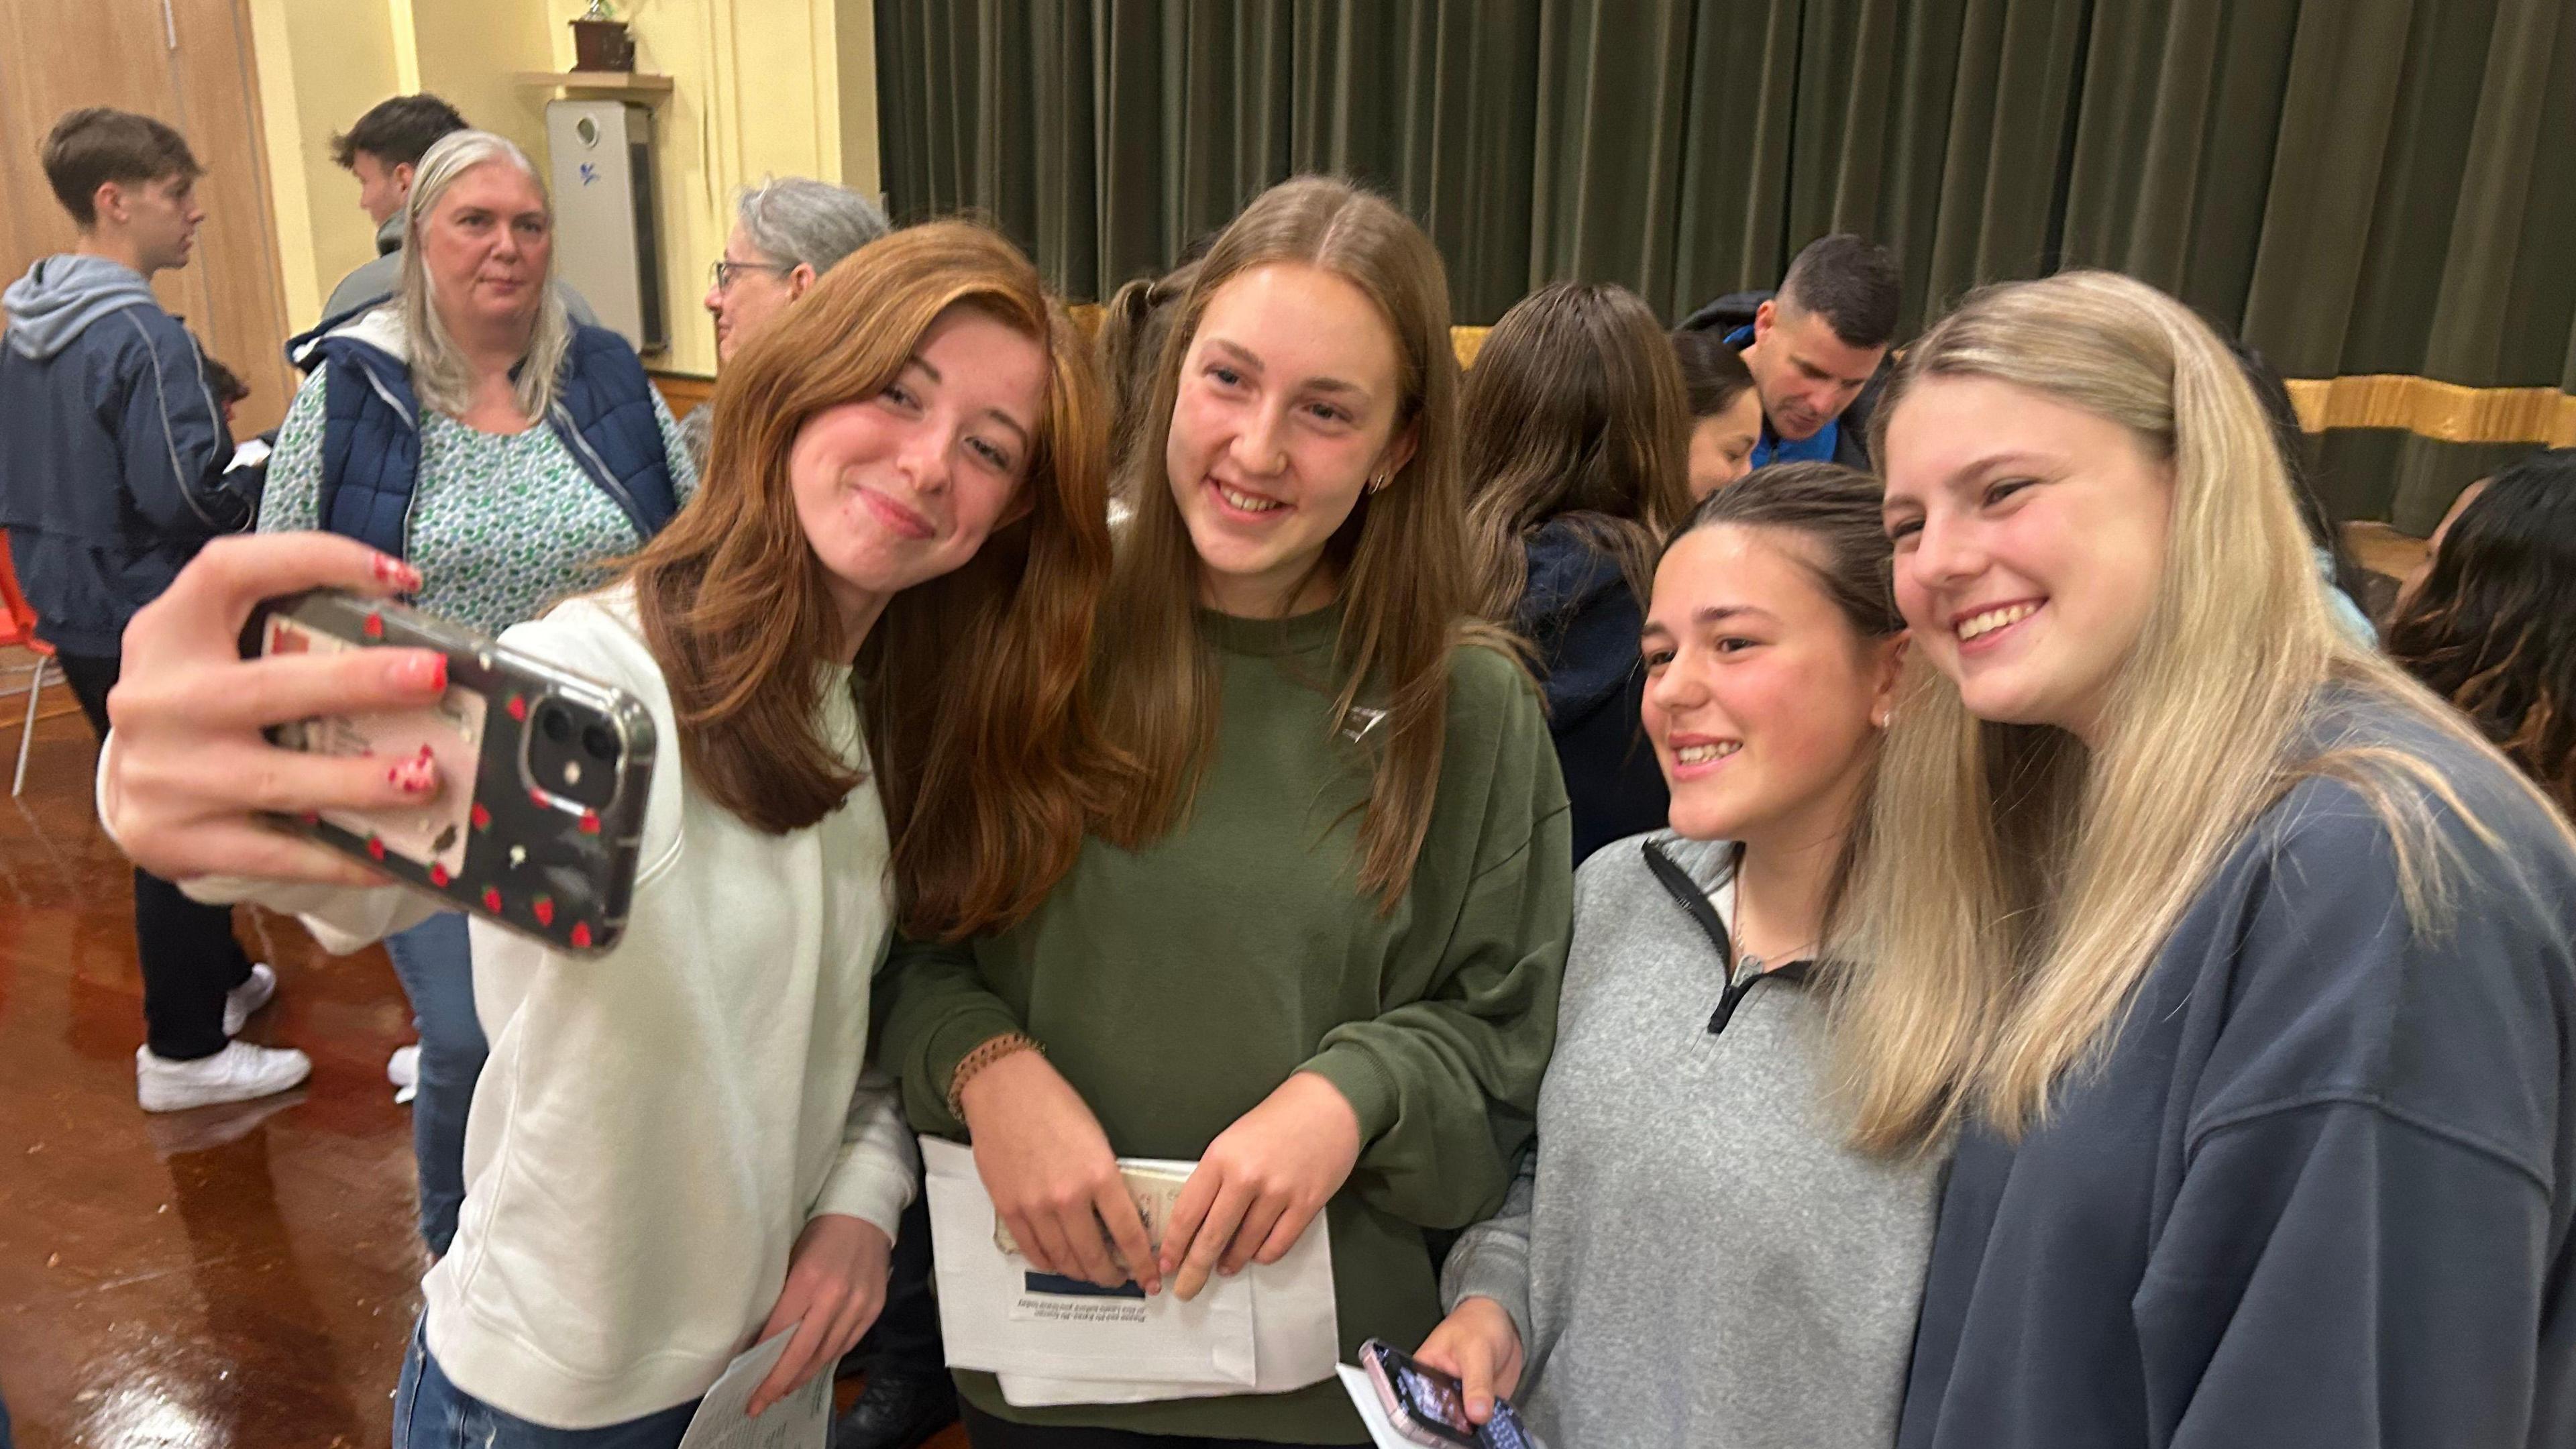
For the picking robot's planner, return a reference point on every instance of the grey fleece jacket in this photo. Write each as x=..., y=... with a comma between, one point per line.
x=1691, y=1255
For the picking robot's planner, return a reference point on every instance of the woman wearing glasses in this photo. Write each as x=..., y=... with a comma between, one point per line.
x=787, y=232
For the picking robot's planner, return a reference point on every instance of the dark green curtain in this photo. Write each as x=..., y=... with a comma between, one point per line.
x=2359, y=186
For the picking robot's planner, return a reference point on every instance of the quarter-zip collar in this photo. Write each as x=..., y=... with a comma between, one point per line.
x=1688, y=893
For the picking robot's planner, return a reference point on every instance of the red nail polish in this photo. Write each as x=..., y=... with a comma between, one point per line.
x=438, y=672
x=393, y=571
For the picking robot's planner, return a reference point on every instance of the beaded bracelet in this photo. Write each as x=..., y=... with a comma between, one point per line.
x=1007, y=1044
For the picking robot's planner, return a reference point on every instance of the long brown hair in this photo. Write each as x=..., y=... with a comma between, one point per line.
x=1575, y=411
x=978, y=725
x=1400, y=556
x=1133, y=324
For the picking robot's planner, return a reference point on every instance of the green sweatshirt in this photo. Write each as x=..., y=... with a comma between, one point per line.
x=1176, y=986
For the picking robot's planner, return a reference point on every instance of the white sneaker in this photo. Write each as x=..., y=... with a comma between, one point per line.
x=238, y=1073
x=403, y=1070
x=248, y=997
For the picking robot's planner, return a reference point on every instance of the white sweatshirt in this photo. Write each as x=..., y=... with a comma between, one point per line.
x=656, y=1125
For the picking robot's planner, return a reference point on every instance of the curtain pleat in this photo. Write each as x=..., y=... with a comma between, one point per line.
x=2359, y=186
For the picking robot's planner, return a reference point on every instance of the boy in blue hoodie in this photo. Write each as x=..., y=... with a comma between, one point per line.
x=112, y=480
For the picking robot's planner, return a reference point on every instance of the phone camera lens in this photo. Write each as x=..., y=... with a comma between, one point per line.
x=600, y=741
x=557, y=726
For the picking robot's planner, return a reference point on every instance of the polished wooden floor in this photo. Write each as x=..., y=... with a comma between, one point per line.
x=235, y=1276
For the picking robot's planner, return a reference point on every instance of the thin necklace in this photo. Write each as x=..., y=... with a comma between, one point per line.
x=1747, y=964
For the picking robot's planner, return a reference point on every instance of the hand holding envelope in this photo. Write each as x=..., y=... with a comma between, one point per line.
x=1054, y=1339
x=1261, y=1182
x=1051, y=1178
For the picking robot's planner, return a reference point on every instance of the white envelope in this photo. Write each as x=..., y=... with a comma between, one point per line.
x=1265, y=1330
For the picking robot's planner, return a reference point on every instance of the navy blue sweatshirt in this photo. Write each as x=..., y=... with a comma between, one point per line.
x=2319, y=1192
x=112, y=476
x=1579, y=615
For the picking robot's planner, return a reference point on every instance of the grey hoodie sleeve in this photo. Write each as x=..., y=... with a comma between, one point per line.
x=1491, y=1259
x=172, y=438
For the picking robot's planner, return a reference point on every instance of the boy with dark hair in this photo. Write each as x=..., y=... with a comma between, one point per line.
x=382, y=150
x=1817, y=348
x=112, y=479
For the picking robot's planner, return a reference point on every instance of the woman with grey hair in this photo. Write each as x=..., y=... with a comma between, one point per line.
x=472, y=428
x=787, y=231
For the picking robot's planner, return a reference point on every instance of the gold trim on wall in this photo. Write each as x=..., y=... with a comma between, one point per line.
x=2445, y=411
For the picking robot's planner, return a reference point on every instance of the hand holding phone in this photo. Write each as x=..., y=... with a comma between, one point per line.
x=525, y=784
x=190, y=776
x=1480, y=1346
x=1429, y=1407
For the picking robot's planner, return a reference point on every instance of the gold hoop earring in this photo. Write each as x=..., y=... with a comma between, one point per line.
x=1378, y=483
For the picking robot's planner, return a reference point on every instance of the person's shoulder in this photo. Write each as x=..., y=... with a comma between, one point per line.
x=1488, y=678
x=598, y=633
x=1619, y=870
x=604, y=362
x=140, y=334
x=2370, y=747
x=599, y=346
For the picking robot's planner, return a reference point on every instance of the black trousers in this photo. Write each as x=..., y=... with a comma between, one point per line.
x=190, y=958
x=986, y=1432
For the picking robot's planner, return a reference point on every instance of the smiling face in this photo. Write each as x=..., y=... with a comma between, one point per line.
x=485, y=246
x=1721, y=444
x=1806, y=374
x=905, y=486
x=1288, y=405
x=2030, y=537
x=1760, y=695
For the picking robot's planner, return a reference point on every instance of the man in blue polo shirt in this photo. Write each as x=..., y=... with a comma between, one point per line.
x=1817, y=348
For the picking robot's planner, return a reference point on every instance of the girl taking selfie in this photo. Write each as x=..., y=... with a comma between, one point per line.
x=856, y=637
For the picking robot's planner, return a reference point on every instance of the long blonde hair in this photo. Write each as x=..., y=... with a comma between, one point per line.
x=2016, y=886
x=1401, y=554
x=438, y=370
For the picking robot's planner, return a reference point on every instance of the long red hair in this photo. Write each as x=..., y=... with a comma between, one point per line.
x=972, y=684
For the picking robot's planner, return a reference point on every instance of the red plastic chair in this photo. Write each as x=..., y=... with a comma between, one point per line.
x=18, y=626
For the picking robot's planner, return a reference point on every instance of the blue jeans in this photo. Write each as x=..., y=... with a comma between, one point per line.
x=432, y=1413
x=438, y=975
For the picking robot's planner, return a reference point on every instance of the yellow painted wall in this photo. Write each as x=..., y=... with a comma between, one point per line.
x=862, y=163
x=469, y=53
x=321, y=64
x=760, y=87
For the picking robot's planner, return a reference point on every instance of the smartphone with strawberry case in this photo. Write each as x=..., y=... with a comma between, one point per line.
x=543, y=774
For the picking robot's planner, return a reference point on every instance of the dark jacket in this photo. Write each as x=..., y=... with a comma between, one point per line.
x=603, y=414
x=1733, y=313
x=1581, y=618
x=2319, y=1191
x=112, y=470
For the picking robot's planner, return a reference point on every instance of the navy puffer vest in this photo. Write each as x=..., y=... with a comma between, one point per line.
x=603, y=415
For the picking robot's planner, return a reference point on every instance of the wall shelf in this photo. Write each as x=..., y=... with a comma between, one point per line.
x=617, y=84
